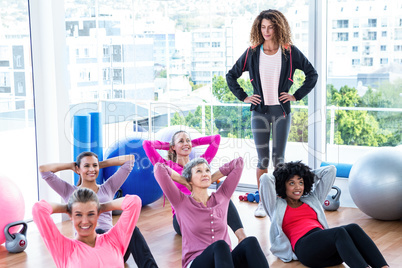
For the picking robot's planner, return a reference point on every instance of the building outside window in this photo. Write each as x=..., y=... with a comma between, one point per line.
x=372, y=22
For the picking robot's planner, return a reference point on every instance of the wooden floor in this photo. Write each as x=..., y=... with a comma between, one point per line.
x=156, y=225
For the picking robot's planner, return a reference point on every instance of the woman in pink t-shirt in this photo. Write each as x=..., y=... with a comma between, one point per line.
x=179, y=150
x=87, y=166
x=88, y=249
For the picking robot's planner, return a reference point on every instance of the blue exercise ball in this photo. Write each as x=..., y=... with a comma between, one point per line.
x=141, y=181
x=167, y=133
x=375, y=184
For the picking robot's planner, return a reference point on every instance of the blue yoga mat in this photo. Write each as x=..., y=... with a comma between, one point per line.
x=342, y=170
x=82, y=137
x=96, y=140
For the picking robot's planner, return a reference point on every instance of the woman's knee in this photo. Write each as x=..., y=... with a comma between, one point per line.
x=353, y=228
x=250, y=242
x=220, y=245
x=340, y=232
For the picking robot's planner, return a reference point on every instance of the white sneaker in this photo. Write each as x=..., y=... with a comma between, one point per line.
x=260, y=211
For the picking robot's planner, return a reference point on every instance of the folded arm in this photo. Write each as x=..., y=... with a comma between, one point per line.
x=116, y=161
x=163, y=175
x=150, y=148
x=111, y=205
x=56, y=167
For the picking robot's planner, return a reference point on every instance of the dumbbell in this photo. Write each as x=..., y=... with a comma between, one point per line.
x=253, y=197
x=243, y=197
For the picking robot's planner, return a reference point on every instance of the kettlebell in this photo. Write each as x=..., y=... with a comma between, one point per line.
x=17, y=242
x=331, y=203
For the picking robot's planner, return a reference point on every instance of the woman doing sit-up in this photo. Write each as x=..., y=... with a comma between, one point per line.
x=203, y=217
x=179, y=150
x=293, y=198
x=87, y=166
x=88, y=249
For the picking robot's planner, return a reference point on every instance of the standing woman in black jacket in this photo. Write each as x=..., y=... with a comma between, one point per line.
x=271, y=62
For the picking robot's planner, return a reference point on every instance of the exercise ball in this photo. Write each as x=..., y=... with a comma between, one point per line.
x=12, y=206
x=167, y=133
x=141, y=181
x=375, y=184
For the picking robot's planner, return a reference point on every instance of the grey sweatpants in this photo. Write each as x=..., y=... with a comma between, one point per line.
x=262, y=125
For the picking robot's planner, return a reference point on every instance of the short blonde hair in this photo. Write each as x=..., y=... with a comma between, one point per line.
x=82, y=195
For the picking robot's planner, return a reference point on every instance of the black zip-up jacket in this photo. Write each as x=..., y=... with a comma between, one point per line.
x=292, y=59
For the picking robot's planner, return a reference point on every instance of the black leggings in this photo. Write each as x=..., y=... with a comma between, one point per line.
x=261, y=125
x=329, y=247
x=234, y=220
x=139, y=248
x=247, y=254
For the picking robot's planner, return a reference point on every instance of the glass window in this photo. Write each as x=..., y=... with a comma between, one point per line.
x=17, y=127
x=372, y=36
x=372, y=22
x=384, y=22
x=342, y=36
x=356, y=34
x=342, y=23
x=362, y=88
x=398, y=34
x=355, y=61
x=355, y=48
x=355, y=23
x=368, y=61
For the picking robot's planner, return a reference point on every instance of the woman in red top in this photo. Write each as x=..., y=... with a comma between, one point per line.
x=298, y=212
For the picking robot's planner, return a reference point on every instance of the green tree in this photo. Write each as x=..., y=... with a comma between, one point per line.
x=194, y=120
x=298, y=80
x=390, y=123
x=222, y=92
x=194, y=86
x=374, y=98
x=354, y=127
x=161, y=74
x=299, y=128
x=235, y=121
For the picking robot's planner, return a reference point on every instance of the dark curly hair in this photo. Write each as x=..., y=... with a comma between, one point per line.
x=285, y=171
x=283, y=35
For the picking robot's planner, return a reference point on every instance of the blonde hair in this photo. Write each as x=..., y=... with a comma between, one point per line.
x=282, y=35
x=172, y=155
x=82, y=195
